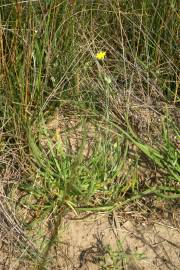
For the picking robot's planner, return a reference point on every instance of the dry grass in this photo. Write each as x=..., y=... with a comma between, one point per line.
x=81, y=134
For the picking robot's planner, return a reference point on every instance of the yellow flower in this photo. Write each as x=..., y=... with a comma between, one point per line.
x=101, y=55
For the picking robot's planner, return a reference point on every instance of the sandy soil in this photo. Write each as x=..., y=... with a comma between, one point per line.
x=143, y=246
x=83, y=245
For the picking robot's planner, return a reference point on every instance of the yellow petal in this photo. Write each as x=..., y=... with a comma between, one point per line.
x=100, y=55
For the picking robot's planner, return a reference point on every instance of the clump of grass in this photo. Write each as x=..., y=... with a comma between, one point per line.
x=48, y=63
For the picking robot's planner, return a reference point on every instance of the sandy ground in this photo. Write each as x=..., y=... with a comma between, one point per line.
x=83, y=245
x=154, y=246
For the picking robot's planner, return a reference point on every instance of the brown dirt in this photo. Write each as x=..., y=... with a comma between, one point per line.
x=83, y=245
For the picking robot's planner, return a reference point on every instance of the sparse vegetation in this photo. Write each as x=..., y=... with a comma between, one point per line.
x=79, y=133
x=118, y=259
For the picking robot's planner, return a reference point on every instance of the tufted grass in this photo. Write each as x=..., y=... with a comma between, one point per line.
x=48, y=67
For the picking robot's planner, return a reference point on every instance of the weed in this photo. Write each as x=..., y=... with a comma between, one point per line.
x=117, y=109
